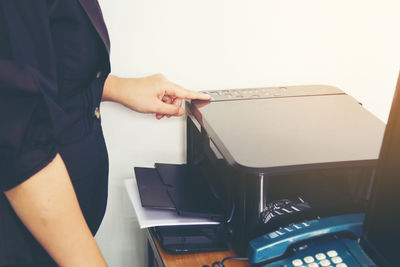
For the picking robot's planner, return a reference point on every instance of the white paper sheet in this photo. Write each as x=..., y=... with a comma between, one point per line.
x=151, y=217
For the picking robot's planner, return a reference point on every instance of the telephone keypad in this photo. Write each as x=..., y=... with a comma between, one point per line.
x=297, y=262
x=332, y=253
x=325, y=263
x=320, y=256
x=327, y=251
x=322, y=260
x=308, y=259
x=337, y=260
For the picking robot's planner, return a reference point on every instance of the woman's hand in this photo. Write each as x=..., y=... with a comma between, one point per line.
x=152, y=94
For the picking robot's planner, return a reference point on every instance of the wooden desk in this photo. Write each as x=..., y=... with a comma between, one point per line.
x=158, y=257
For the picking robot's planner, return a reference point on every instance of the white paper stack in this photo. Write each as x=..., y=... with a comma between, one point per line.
x=153, y=217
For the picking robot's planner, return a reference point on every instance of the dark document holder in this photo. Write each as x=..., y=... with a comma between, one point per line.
x=178, y=187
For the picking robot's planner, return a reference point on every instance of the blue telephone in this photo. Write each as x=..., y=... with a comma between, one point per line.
x=274, y=245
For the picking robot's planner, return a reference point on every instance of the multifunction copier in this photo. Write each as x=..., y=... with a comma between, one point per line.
x=264, y=158
x=281, y=155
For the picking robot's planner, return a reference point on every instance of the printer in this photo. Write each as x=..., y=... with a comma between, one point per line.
x=281, y=155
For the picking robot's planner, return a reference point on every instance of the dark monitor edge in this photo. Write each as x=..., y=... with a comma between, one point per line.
x=394, y=117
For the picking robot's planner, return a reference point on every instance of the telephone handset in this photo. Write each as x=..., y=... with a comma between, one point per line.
x=275, y=244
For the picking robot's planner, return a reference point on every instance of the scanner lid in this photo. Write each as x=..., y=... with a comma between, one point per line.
x=285, y=129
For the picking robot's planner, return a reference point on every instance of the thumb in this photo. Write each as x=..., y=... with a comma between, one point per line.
x=169, y=109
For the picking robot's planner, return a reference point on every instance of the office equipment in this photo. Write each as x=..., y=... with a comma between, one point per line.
x=180, y=188
x=378, y=243
x=267, y=149
x=273, y=245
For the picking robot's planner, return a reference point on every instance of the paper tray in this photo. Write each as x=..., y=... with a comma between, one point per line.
x=179, y=187
x=153, y=217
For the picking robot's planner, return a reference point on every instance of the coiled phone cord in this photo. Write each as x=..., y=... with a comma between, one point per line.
x=221, y=263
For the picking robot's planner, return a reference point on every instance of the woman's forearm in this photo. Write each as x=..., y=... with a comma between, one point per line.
x=151, y=94
x=109, y=92
x=135, y=93
x=47, y=205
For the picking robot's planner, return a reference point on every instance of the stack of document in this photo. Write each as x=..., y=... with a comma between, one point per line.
x=153, y=217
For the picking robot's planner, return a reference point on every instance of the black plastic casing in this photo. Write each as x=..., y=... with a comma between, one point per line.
x=259, y=145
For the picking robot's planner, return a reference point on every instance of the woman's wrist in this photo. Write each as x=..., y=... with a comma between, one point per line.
x=109, y=92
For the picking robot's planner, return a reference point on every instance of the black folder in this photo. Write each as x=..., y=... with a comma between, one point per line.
x=179, y=187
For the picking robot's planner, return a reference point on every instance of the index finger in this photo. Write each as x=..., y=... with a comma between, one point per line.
x=178, y=91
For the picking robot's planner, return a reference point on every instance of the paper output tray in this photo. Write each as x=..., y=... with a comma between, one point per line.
x=179, y=187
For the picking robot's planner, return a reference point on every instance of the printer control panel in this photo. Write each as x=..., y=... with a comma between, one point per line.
x=271, y=92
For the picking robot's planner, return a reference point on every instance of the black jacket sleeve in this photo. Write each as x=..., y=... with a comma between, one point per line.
x=28, y=91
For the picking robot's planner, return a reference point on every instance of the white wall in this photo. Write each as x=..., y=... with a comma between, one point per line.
x=211, y=44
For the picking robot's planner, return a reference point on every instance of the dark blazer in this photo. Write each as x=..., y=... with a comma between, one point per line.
x=93, y=10
x=28, y=86
x=38, y=116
